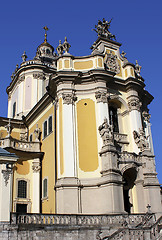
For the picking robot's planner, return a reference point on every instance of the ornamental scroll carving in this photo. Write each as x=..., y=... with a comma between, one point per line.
x=68, y=98
x=36, y=167
x=6, y=175
x=101, y=97
x=106, y=132
x=134, y=104
x=111, y=63
x=141, y=140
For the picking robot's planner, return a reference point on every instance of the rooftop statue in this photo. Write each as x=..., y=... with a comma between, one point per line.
x=102, y=29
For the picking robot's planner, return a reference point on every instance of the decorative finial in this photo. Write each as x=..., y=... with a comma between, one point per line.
x=66, y=46
x=45, y=35
x=24, y=56
x=60, y=48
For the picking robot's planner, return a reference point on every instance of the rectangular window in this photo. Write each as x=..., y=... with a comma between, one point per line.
x=45, y=188
x=45, y=129
x=14, y=110
x=22, y=189
x=49, y=124
x=31, y=138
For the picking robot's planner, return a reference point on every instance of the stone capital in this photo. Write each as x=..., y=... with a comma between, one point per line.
x=134, y=104
x=101, y=97
x=68, y=98
x=36, y=167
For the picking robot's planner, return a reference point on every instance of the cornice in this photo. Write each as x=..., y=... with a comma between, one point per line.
x=14, y=122
x=24, y=68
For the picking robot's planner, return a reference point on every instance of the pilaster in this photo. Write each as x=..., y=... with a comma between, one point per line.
x=36, y=186
x=69, y=135
x=113, y=191
x=134, y=106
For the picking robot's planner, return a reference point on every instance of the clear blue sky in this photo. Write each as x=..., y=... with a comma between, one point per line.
x=136, y=24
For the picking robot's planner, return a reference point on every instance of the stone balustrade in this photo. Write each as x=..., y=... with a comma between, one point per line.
x=79, y=220
x=19, y=145
x=121, y=138
x=129, y=157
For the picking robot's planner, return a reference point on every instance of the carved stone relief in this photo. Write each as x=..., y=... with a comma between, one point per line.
x=38, y=75
x=6, y=175
x=37, y=133
x=36, y=167
x=111, y=63
x=146, y=116
x=106, y=132
x=134, y=104
x=141, y=139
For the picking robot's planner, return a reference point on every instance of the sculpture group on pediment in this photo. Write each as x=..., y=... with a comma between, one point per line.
x=102, y=29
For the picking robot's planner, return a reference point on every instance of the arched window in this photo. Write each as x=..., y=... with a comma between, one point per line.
x=22, y=189
x=113, y=118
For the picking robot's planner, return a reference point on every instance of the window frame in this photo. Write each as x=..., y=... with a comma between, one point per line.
x=48, y=124
x=44, y=197
x=27, y=186
x=14, y=109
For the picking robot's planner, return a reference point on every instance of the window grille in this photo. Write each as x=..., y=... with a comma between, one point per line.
x=22, y=189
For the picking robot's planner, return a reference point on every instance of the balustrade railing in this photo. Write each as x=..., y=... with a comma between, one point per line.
x=121, y=138
x=81, y=220
x=20, y=145
x=127, y=156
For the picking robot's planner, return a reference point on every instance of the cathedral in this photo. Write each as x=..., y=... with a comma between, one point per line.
x=76, y=151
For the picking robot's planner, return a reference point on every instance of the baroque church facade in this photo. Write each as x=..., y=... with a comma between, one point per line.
x=76, y=148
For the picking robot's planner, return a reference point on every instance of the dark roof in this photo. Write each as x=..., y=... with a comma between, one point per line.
x=3, y=152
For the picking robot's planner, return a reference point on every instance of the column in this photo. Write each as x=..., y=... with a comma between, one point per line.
x=5, y=193
x=36, y=186
x=111, y=179
x=103, y=109
x=135, y=116
x=102, y=103
x=67, y=194
x=69, y=135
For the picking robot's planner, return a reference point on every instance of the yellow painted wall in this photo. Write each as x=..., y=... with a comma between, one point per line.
x=48, y=162
x=87, y=136
x=83, y=65
x=100, y=62
x=66, y=63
